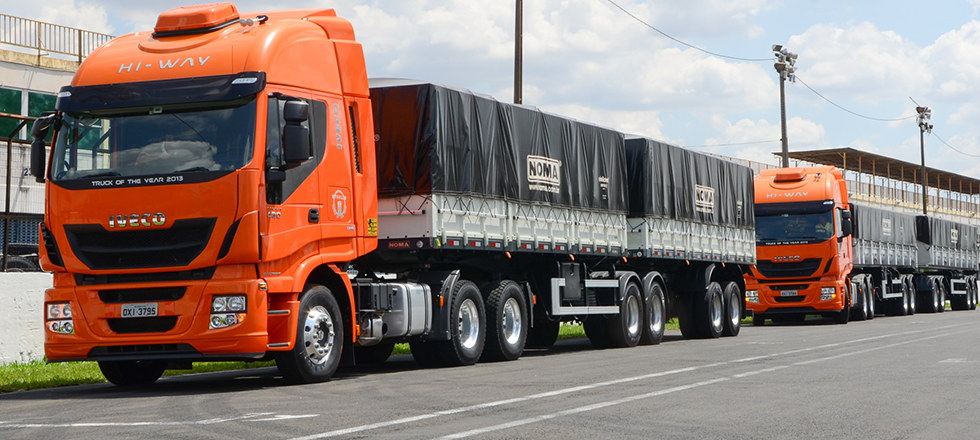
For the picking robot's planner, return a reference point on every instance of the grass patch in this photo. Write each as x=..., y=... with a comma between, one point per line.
x=38, y=374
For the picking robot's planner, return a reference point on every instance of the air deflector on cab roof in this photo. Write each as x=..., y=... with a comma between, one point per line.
x=200, y=19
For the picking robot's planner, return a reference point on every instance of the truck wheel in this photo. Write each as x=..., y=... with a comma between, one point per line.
x=467, y=337
x=506, y=322
x=686, y=316
x=973, y=295
x=595, y=329
x=544, y=333
x=912, y=302
x=654, y=317
x=373, y=355
x=860, y=310
x=709, y=311
x=844, y=315
x=625, y=328
x=942, y=297
x=758, y=321
x=319, y=339
x=872, y=306
x=132, y=373
x=733, y=310
x=930, y=298
x=424, y=353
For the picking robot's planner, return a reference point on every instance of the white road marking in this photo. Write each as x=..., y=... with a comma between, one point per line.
x=247, y=418
x=402, y=421
x=674, y=389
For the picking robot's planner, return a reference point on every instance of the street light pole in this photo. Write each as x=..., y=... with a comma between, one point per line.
x=518, y=50
x=786, y=66
x=924, y=115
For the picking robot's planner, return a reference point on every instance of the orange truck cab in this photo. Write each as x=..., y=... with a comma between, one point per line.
x=803, y=245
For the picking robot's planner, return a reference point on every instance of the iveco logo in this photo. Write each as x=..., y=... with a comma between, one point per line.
x=136, y=220
x=786, y=259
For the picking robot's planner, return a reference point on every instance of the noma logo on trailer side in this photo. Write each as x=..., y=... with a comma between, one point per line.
x=543, y=173
x=704, y=199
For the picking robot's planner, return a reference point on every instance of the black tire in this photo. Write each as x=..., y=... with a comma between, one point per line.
x=132, y=373
x=871, y=300
x=373, y=355
x=506, y=321
x=733, y=310
x=758, y=321
x=912, y=298
x=898, y=306
x=972, y=287
x=424, y=353
x=624, y=330
x=544, y=333
x=844, y=315
x=942, y=297
x=20, y=264
x=467, y=337
x=710, y=311
x=319, y=339
x=595, y=329
x=686, y=316
x=654, y=316
x=859, y=312
x=930, y=298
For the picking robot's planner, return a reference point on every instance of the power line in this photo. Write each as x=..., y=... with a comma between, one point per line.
x=846, y=110
x=730, y=145
x=681, y=42
x=951, y=147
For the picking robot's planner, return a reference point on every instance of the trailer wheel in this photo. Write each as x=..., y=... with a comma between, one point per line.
x=972, y=284
x=595, y=330
x=930, y=297
x=424, y=353
x=912, y=300
x=624, y=329
x=506, y=322
x=654, y=317
x=132, y=373
x=373, y=355
x=709, y=311
x=733, y=310
x=544, y=333
x=942, y=297
x=467, y=337
x=319, y=339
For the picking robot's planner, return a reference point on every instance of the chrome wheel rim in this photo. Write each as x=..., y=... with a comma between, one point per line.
x=511, y=321
x=633, y=315
x=468, y=324
x=318, y=335
x=715, y=311
x=734, y=314
x=657, y=316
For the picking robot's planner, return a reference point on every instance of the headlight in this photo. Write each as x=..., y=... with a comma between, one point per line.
x=752, y=296
x=828, y=293
x=58, y=318
x=227, y=310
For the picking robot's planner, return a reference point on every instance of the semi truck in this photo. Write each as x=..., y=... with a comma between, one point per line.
x=233, y=187
x=819, y=253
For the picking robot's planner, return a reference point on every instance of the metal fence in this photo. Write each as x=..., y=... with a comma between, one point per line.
x=51, y=38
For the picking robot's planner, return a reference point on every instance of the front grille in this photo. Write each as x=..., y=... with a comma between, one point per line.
x=134, y=249
x=158, y=324
x=121, y=278
x=798, y=269
x=142, y=295
x=789, y=299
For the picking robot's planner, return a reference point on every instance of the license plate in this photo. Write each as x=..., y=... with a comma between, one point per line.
x=139, y=310
x=788, y=293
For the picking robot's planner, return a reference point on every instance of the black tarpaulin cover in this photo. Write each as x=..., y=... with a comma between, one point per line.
x=438, y=139
x=666, y=181
x=946, y=233
x=881, y=225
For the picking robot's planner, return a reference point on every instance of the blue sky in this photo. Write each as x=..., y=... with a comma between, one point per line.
x=589, y=60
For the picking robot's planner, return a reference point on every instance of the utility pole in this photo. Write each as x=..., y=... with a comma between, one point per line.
x=786, y=66
x=924, y=115
x=518, y=50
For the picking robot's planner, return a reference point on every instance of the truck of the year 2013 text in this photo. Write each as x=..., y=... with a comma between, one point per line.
x=818, y=253
x=232, y=187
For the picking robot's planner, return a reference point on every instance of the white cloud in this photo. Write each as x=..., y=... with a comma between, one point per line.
x=80, y=14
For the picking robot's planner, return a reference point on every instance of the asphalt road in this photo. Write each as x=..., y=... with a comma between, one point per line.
x=891, y=378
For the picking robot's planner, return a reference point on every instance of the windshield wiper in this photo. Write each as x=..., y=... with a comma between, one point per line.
x=105, y=174
x=193, y=169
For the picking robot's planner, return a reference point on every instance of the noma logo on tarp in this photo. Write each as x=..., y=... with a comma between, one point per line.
x=704, y=199
x=543, y=173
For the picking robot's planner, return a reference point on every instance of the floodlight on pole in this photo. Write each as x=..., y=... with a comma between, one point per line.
x=786, y=66
x=922, y=118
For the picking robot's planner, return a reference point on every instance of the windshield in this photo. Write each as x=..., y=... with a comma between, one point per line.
x=153, y=141
x=797, y=228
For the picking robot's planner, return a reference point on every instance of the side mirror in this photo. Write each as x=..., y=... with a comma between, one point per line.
x=847, y=226
x=39, y=131
x=295, y=136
